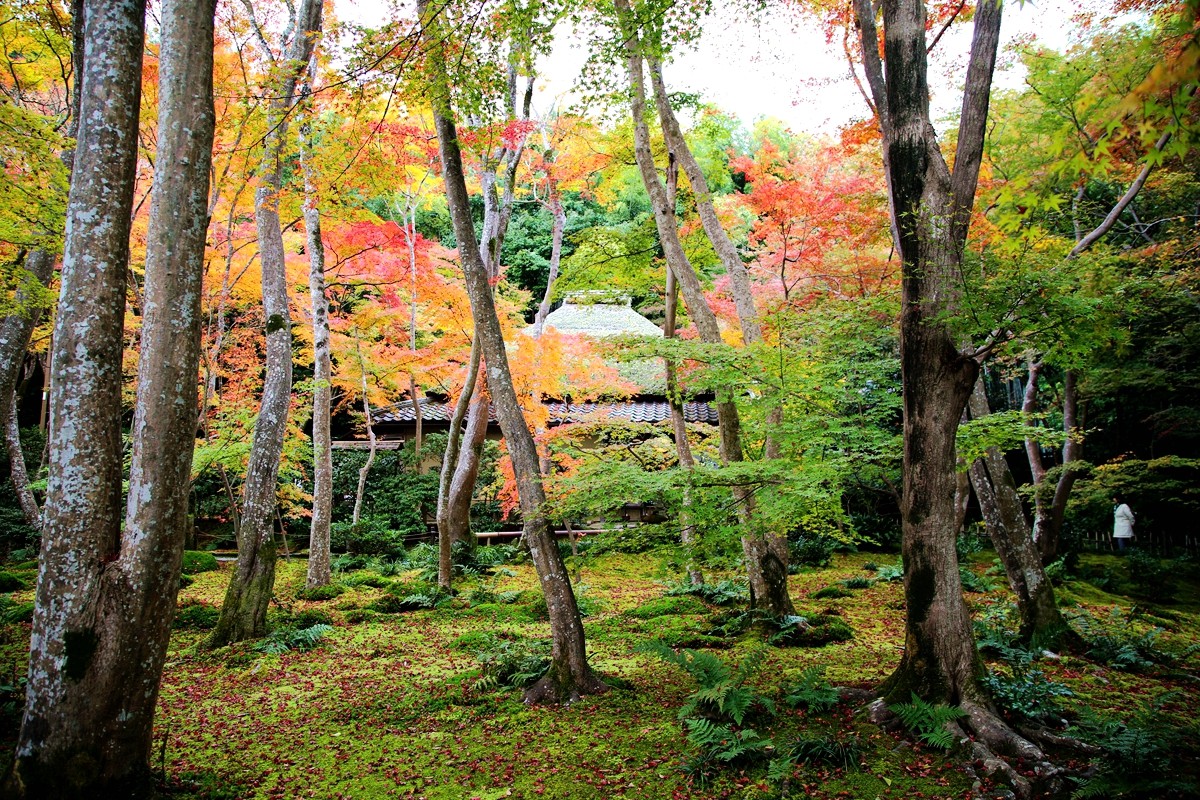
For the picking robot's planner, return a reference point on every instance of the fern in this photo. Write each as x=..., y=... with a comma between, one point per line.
x=843, y=754
x=720, y=745
x=928, y=721
x=810, y=690
x=281, y=640
x=722, y=693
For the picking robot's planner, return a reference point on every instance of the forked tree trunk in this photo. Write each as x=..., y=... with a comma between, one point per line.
x=683, y=448
x=319, y=573
x=466, y=471
x=1009, y=531
x=244, y=612
x=932, y=209
x=449, y=459
x=766, y=570
x=569, y=675
x=556, y=241
x=106, y=596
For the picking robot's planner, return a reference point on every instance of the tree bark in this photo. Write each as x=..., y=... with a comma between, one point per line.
x=1051, y=507
x=1009, y=531
x=319, y=573
x=569, y=675
x=244, y=612
x=106, y=597
x=683, y=448
x=765, y=568
x=931, y=208
x=556, y=240
x=19, y=474
x=361, y=491
x=466, y=471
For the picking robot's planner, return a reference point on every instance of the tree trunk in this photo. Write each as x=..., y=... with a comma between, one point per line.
x=361, y=490
x=556, y=241
x=466, y=471
x=1050, y=508
x=106, y=597
x=449, y=459
x=410, y=236
x=683, y=448
x=766, y=569
x=319, y=573
x=932, y=212
x=20, y=476
x=1009, y=531
x=244, y=612
x=569, y=675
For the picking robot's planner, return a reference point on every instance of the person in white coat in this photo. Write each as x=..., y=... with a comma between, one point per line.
x=1122, y=523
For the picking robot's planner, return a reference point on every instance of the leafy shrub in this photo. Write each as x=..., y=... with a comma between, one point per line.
x=723, y=695
x=730, y=623
x=831, y=593
x=326, y=592
x=1027, y=693
x=495, y=555
x=347, y=562
x=810, y=690
x=1117, y=644
x=662, y=606
x=403, y=597
x=10, y=582
x=811, y=551
x=286, y=638
x=970, y=541
x=719, y=745
x=721, y=593
x=1139, y=755
x=871, y=566
x=198, y=616
x=994, y=635
x=928, y=721
x=197, y=561
x=1152, y=578
x=371, y=536
x=858, y=582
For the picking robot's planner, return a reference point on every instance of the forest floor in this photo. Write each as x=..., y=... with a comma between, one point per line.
x=392, y=705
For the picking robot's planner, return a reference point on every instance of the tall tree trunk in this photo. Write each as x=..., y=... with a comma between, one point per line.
x=410, y=237
x=106, y=596
x=244, y=612
x=449, y=460
x=466, y=472
x=1009, y=531
x=319, y=573
x=361, y=491
x=19, y=474
x=683, y=448
x=931, y=208
x=15, y=332
x=767, y=572
x=569, y=675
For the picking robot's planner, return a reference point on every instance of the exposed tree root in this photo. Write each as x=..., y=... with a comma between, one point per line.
x=997, y=751
x=549, y=691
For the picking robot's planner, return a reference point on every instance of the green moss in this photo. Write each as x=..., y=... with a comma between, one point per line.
x=10, y=582
x=663, y=606
x=196, y=561
x=320, y=593
x=196, y=617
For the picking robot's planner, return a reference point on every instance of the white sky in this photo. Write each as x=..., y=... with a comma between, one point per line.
x=780, y=67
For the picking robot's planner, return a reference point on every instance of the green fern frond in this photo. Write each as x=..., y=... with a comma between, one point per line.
x=928, y=720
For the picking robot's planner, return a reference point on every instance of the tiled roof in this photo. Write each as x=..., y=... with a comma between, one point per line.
x=600, y=320
x=560, y=413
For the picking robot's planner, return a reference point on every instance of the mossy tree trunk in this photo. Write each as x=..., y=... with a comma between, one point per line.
x=106, y=592
x=244, y=612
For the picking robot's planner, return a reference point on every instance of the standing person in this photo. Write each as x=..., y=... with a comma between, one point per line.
x=1122, y=522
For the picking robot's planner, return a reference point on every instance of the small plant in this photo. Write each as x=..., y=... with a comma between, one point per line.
x=1027, y=693
x=1117, y=644
x=723, y=695
x=890, y=572
x=719, y=745
x=11, y=612
x=814, y=631
x=870, y=566
x=286, y=638
x=929, y=720
x=513, y=663
x=972, y=582
x=831, y=593
x=1139, y=755
x=197, y=561
x=810, y=690
x=369, y=579
x=721, y=593
x=858, y=582
x=10, y=582
x=825, y=750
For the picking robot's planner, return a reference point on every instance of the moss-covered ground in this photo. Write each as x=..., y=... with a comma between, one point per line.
x=387, y=705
